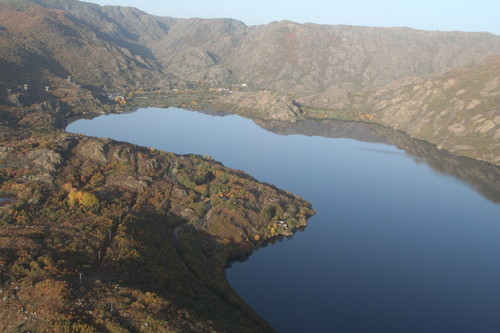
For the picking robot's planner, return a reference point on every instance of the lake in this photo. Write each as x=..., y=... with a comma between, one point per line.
x=406, y=237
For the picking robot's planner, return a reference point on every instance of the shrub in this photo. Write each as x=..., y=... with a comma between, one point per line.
x=203, y=176
x=268, y=212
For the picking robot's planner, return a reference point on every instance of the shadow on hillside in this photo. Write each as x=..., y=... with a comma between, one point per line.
x=134, y=48
x=187, y=269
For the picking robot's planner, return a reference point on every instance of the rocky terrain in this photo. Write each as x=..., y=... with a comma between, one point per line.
x=457, y=110
x=282, y=56
x=263, y=104
x=393, y=76
x=103, y=236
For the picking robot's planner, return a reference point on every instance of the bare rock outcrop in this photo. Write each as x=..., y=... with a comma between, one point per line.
x=264, y=104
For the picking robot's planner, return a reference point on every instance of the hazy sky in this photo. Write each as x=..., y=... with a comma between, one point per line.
x=464, y=15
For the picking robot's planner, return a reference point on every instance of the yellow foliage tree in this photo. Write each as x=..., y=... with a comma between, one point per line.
x=83, y=198
x=74, y=198
x=89, y=200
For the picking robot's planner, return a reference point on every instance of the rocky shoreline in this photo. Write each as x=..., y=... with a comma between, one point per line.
x=87, y=244
x=91, y=226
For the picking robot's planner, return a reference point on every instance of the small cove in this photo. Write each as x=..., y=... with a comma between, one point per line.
x=400, y=242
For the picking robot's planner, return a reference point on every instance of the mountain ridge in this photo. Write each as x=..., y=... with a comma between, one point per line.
x=300, y=57
x=324, y=67
x=99, y=235
x=281, y=65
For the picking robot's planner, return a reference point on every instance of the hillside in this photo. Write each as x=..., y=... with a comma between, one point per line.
x=283, y=56
x=40, y=44
x=458, y=110
x=102, y=236
x=151, y=232
x=286, y=56
x=325, y=71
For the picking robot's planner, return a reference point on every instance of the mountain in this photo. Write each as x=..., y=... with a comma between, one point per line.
x=286, y=56
x=283, y=56
x=150, y=232
x=289, y=68
x=458, y=110
x=39, y=44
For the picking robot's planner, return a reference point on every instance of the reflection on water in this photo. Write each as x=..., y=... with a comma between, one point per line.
x=400, y=242
x=324, y=128
x=267, y=242
x=382, y=151
x=482, y=176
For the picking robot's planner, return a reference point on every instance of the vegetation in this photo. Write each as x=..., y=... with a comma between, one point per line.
x=103, y=236
x=268, y=212
x=83, y=198
x=106, y=236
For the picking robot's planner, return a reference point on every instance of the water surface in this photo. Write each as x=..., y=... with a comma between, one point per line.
x=400, y=243
x=6, y=201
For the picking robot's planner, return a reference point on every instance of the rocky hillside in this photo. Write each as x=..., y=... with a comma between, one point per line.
x=394, y=76
x=460, y=110
x=41, y=45
x=457, y=110
x=102, y=236
x=283, y=56
x=286, y=56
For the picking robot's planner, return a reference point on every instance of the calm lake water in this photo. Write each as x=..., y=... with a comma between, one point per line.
x=404, y=240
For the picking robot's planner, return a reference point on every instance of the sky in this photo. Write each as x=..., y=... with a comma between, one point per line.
x=444, y=15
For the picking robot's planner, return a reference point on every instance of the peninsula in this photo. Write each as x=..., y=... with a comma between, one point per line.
x=105, y=236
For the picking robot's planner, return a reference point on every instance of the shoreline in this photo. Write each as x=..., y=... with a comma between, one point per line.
x=202, y=104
